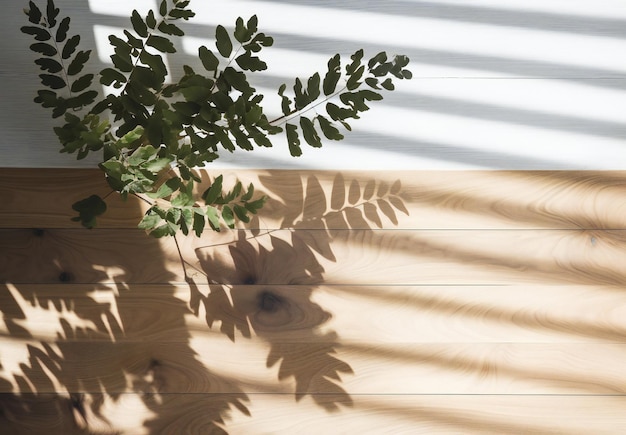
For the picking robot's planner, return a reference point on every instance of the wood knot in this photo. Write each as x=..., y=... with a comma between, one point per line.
x=269, y=302
x=250, y=280
x=65, y=277
x=38, y=232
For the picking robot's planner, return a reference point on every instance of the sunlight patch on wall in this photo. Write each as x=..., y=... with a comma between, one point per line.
x=418, y=32
x=121, y=8
x=613, y=9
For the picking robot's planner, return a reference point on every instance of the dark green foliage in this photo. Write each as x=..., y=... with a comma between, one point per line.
x=153, y=134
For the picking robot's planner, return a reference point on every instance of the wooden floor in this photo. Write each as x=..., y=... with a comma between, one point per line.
x=357, y=302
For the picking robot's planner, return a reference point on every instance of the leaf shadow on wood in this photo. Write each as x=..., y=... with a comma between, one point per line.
x=75, y=350
x=266, y=284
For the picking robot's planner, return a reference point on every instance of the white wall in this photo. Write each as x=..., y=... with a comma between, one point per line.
x=503, y=84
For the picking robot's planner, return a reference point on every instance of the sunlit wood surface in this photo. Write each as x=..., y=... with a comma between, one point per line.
x=355, y=302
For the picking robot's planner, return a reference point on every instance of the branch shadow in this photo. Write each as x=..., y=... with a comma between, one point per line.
x=75, y=352
x=266, y=285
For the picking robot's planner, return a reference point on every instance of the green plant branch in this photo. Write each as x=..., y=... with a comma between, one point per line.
x=312, y=105
x=60, y=58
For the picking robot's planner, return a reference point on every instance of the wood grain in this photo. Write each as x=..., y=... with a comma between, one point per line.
x=42, y=198
x=288, y=314
x=476, y=312
x=312, y=257
x=213, y=365
x=367, y=414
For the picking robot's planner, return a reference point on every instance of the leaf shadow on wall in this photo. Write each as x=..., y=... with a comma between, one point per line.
x=264, y=283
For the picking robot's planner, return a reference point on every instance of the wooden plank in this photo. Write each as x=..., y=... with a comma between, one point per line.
x=404, y=414
x=209, y=365
x=427, y=414
x=288, y=314
x=309, y=257
x=42, y=198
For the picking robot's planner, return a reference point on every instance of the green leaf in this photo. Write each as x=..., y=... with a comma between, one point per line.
x=167, y=229
x=130, y=137
x=248, y=195
x=186, y=108
x=82, y=83
x=286, y=101
x=162, y=44
x=34, y=13
x=241, y=33
x=43, y=48
x=254, y=206
x=39, y=33
x=110, y=75
x=173, y=215
x=64, y=26
x=52, y=12
x=183, y=199
x=88, y=210
x=170, y=29
x=209, y=60
x=252, y=24
x=147, y=77
x=302, y=99
x=250, y=63
x=79, y=61
x=49, y=65
x=227, y=215
x=140, y=93
x=234, y=193
x=46, y=98
x=70, y=47
x=308, y=130
x=313, y=86
x=214, y=191
x=356, y=62
x=163, y=8
x=259, y=137
x=122, y=63
x=329, y=130
x=52, y=81
x=123, y=48
x=379, y=58
x=214, y=218
x=372, y=82
x=222, y=101
x=150, y=220
x=151, y=20
x=237, y=80
x=133, y=41
x=199, y=221
x=353, y=81
x=167, y=188
x=340, y=113
x=223, y=43
x=241, y=139
x=155, y=62
x=293, y=140
x=388, y=84
x=156, y=166
x=370, y=95
x=138, y=24
x=241, y=213
x=185, y=14
x=186, y=220
x=332, y=75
